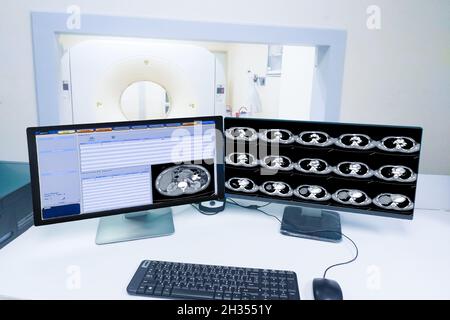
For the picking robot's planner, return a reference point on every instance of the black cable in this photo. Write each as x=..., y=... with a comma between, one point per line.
x=251, y=206
x=264, y=205
x=345, y=262
x=268, y=214
x=255, y=207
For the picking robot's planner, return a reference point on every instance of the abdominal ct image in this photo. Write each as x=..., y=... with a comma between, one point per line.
x=172, y=181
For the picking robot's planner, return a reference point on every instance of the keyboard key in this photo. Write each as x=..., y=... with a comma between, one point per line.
x=150, y=290
x=166, y=291
x=141, y=289
x=191, y=294
x=254, y=296
x=158, y=290
x=292, y=295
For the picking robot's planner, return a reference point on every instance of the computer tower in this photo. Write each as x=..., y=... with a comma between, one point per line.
x=16, y=210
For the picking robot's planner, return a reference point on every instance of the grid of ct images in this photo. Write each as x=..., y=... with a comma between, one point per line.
x=351, y=166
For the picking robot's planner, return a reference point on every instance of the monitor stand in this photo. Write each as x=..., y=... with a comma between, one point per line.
x=134, y=226
x=311, y=223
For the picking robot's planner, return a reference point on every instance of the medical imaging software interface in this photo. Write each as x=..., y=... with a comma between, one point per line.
x=94, y=170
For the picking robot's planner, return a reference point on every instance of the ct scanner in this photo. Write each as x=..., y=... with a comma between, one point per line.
x=95, y=74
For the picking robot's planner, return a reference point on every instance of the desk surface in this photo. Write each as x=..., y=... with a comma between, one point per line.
x=398, y=259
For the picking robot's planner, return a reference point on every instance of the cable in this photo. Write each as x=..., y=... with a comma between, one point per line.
x=268, y=214
x=252, y=206
x=257, y=208
x=345, y=262
x=264, y=205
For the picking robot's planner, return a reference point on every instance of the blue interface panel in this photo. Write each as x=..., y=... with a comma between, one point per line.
x=94, y=170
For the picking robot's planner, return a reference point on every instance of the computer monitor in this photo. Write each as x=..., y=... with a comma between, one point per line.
x=108, y=169
x=319, y=166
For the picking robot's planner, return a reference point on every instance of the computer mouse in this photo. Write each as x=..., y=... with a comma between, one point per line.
x=326, y=289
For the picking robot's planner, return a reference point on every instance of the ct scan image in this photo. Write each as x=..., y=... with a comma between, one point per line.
x=173, y=181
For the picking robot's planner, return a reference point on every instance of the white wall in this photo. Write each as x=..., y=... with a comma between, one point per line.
x=398, y=75
x=253, y=57
x=297, y=82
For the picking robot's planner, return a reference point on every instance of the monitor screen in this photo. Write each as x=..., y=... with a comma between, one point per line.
x=82, y=171
x=349, y=167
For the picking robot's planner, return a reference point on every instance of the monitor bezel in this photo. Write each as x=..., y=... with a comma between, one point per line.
x=299, y=203
x=34, y=171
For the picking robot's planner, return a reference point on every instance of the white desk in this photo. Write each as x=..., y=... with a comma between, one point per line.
x=398, y=259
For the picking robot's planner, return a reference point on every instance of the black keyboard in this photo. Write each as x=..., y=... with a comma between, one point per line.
x=198, y=281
